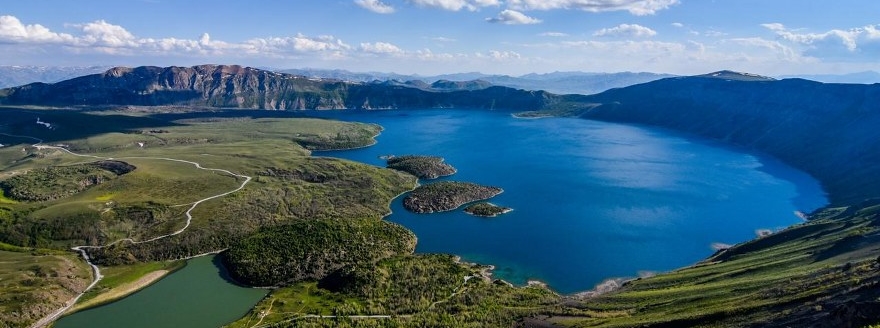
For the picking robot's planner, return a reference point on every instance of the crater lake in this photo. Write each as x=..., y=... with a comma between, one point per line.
x=591, y=200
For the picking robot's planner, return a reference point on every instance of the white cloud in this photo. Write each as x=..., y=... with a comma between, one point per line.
x=835, y=43
x=103, y=37
x=512, y=17
x=626, y=30
x=635, y=7
x=775, y=47
x=375, y=6
x=380, y=48
x=299, y=44
x=428, y=55
x=12, y=30
x=499, y=55
x=677, y=24
x=553, y=34
x=456, y=5
x=103, y=34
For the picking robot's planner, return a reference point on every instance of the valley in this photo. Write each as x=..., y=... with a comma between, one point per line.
x=266, y=188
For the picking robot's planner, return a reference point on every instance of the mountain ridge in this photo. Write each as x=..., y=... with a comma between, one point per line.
x=824, y=129
x=234, y=86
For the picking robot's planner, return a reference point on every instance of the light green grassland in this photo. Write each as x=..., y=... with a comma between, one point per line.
x=804, y=267
x=151, y=200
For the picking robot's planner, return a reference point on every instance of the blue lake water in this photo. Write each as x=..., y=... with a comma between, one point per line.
x=591, y=200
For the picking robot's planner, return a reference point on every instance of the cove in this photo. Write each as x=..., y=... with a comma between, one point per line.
x=592, y=200
x=199, y=295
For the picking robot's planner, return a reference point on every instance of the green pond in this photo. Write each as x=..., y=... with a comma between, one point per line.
x=199, y=295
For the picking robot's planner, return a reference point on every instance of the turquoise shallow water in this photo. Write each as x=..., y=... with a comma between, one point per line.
x=196, y=296
x=591, y=200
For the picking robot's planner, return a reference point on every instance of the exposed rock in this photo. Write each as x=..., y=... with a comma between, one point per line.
x=245, y=87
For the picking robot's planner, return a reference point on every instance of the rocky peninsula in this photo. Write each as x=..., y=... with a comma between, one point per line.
x=423, y=167
x=446, y=196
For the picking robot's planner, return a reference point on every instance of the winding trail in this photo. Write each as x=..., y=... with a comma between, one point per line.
x=83, y=250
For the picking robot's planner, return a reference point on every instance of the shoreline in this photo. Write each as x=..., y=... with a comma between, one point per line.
x=609, y=284
x=127, y=289
x=122, y=291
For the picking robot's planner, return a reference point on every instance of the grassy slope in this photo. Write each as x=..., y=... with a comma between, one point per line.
x=36, y=281
x=146, y=202
x=810, y=269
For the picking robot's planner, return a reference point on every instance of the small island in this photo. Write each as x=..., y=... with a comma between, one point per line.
x=446, y=196
x=423, y=167
x=486, y=209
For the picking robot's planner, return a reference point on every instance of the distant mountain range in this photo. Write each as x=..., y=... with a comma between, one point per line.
x=11, y=76
x=556, y=82
x=244, y=87
x=827, y=130
x=867, y=77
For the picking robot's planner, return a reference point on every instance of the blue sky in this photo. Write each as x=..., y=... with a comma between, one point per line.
x=769, y=37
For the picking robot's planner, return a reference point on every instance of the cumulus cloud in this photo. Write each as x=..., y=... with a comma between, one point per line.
x=103, y=37
x=380, y=48
x=781, y=50
x=299, y=43
x=677, y=24
x=626, y=30
x=375, y=6
x=499, y=55
x=512, y=17
x=832, y=43
x=635, y=7
x=456, y=5
x=103, y=34
x=13, y=31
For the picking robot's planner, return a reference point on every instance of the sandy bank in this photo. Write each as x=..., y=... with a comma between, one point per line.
x=121, y=291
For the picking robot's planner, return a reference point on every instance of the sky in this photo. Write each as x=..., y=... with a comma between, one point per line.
x=429, y=37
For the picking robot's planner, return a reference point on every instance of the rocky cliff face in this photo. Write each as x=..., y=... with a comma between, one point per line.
x=827, y=130
x=244, y=87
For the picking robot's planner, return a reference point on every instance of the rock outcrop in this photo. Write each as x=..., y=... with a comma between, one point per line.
x=234, y=86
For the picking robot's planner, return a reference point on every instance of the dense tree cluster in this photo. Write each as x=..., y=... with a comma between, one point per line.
x=486, y=209
x=423, y=167
x=312, y=249
x=446, y=195
x=55, y=182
